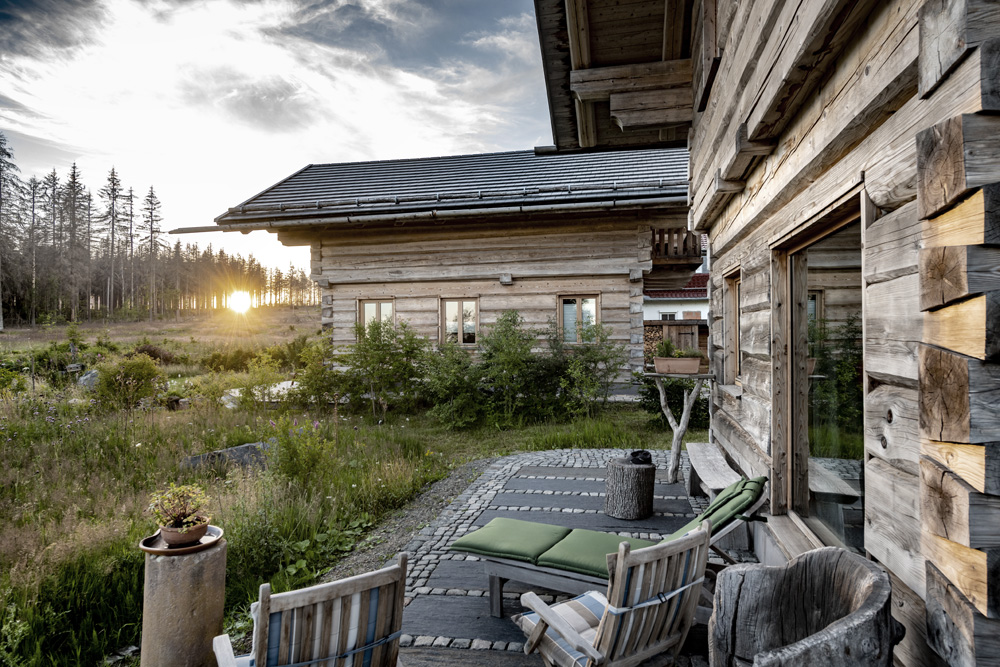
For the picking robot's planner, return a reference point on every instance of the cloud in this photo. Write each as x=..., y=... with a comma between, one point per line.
x=271, y=103
x=34, y=28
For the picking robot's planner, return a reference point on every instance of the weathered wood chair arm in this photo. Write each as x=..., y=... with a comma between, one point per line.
x=223, y=648
x=546, y=617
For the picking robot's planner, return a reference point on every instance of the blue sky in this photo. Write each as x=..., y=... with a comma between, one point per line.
x=211, y=101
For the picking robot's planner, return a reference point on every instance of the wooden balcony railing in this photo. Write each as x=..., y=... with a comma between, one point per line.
x=676, y=245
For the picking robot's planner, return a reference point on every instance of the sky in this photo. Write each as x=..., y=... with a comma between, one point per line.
x=212, y=101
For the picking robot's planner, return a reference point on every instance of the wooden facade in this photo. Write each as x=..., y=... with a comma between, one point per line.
x=878, y=119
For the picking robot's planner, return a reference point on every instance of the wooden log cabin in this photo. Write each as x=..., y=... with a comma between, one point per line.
x=449, y=243
x=845, y=163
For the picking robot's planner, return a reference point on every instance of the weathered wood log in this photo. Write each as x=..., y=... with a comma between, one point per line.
x=599, y=83
x=949, y=29
x=892, y=521
x=953, y=157
x=826, y=607
x=978, y=465
x=955, y=629
x=629, y=489
x=976, y=572
x=951, y=508
x=970, y=327
x=958, y=397
x=908, y=608
x=972, y=221
x=951, y=273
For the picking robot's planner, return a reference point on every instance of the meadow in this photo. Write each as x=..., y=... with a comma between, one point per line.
x=78, y=472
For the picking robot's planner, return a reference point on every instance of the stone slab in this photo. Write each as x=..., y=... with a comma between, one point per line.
x=460, y=616
x=581, y=473
x=580, y=502
x=470, y=575
x=449, y=657
x=581, y=485
x=656, y=524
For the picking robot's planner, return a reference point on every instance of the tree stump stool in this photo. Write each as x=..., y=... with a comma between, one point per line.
x=629, y=489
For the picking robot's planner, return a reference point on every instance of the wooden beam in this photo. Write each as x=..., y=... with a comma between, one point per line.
x=599, y=83
x=954, y=157
x=673, y=29
x=892, y=521
x=978, y=465
x=817, y=32
x=970, y=327
x=952, y=509
x=706, y=54
x=973, y=221
x=742, y=153
x=949, y=29
x=578, y=36
x=892, y=428
x=908, y=608
x=586, y=124
x=652, y=109
x=950, y=273
x=955, y=629
x=975, y=572
x=958, y=397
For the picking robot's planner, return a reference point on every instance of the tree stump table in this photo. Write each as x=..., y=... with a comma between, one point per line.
x=629, y=489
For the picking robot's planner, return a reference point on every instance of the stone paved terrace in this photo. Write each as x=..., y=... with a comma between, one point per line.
x=447, y=618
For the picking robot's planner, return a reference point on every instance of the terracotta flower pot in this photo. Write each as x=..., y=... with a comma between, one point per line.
x=676, y=365
x=174, y=536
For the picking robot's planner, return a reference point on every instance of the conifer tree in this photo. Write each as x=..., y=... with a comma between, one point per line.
x=111, y=193
x=11, y=190
x=151, y=225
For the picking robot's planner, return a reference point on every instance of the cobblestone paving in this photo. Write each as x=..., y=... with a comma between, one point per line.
x=430, y=548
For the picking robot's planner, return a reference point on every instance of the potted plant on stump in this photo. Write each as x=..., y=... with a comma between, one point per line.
x=180, y=512
x=670, y=360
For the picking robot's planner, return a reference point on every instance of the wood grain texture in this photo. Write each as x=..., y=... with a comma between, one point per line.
x=909, y=609
x=892, y=521
x=892, y=245
x=970, y=327
x=951, y=273
x=975, y=572
x=599, y=83
x=977, y=465
x=949, y=29
x=973, y=221
x=893, y=326
x=958, y=397
x=956, y=630
x=952, y=509
x=955, y=156
x=892, y=426
x=629, y=489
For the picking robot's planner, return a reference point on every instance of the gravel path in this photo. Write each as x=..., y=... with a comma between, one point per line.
x=393, y=534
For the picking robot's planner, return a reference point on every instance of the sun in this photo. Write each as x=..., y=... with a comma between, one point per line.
x=239, y=302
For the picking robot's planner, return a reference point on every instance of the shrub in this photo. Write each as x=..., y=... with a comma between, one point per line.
x=124, y=384
x=649, y=399
x=256, y=385
x=316, y=382
x=230, y=359
x=289, y=356
x=11, y=382
x=453, y=387
x=594, y=364
x=155, y=353
x=507, y=365
x=384, y=367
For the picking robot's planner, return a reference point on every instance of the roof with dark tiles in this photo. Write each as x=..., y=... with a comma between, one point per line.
x=484, y=181
x=696, y=288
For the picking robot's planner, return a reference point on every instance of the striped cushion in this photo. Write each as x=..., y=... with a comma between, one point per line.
x=583, y=613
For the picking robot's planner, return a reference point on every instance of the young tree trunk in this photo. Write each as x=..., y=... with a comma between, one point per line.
x=679, y=429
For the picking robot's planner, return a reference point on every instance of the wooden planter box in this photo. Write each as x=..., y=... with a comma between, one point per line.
x=683, y=365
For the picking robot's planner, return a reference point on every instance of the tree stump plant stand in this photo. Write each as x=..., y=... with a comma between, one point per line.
x=629, y=489
x=679, y=428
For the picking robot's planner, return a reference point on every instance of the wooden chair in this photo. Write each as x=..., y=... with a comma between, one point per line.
x=649, y=607
x=353, y=621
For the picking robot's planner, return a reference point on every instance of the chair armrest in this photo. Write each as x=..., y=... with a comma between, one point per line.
x=557, y=623
x=223, y=648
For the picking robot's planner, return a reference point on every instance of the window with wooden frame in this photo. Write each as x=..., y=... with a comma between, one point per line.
x=370, y=310
x=668, y=317
x=731, y=322
x=460, y=321
x=817, y=312
x=575, y=313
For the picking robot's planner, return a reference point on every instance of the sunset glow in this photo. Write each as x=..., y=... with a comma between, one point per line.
x=239, y=302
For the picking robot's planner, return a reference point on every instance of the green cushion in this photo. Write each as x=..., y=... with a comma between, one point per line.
x=586, y=552
x=511, y=538
x=731, y=501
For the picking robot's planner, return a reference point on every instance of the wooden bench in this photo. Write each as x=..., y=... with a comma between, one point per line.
x=710, y=472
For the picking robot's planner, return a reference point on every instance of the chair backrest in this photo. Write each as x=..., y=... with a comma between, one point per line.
x=353, y=621
x=652, y=596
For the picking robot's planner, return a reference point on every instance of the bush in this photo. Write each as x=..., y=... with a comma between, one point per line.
x=384, y=367
x=230, y=359
x=453, y=387
x=593, y=366
x=649, y=399
x=155, y=353
x=507, y=370
x=11, y=382
x=123, y=385
x=316, y=383
x=290, y=356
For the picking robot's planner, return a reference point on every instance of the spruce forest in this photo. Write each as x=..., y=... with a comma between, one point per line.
x=70, y=252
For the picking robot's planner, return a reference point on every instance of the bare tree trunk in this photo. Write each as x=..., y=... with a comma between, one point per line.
x=678, y=429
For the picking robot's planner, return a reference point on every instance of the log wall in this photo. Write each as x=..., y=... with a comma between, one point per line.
x=895, y=119
x=417, y=268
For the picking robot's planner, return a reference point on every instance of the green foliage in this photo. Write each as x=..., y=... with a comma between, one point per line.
x=123, y=384
x=586, y=434
x=290, y=356
x=256, y=386
x=179, y=506
x=316, y=382
x=507, y=366
x=673, y=388
x=666, y=348
x=453, y=387
x=11, y=383
x=384, y=368
x=234, y=358
x=156, y=353
x=836, y=401
x=593, y=366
